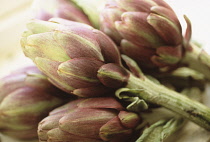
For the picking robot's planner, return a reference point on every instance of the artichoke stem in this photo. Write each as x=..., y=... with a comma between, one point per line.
x=196, y=58
x=160, y=95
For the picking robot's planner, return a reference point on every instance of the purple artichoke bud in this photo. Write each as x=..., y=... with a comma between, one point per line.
x=26, y=97
x=44, y=10
x=89, y=120
x=70, y=54
x=146, y=30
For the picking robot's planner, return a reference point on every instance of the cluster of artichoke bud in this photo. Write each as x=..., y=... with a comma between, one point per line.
x=97, y=74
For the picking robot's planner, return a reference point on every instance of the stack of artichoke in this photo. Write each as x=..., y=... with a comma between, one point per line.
x=100, y=67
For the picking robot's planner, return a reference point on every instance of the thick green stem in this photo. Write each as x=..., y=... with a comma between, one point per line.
x=158, y=94
x=196, y=58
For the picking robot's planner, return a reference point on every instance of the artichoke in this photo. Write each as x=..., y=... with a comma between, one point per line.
x=70, y=54
x=26, y=97
x=89, y=120
x=148, y=31
x=44, y=10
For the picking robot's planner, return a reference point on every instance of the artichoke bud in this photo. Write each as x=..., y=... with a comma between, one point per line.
x=112, y=75
x=70, y=54
x=144, y=27
x=89, y=120
x=26, y=98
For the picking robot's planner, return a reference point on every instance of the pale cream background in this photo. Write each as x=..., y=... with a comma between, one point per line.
x=14, y=14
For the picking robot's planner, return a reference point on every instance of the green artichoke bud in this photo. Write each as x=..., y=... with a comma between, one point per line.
x=89, y=120
x=70, y=54
x=44, y=10
x=146, y=30
x=26, y=97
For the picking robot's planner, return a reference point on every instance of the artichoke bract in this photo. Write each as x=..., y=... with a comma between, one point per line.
x=44, y=10
x=26, y=97
x=71, y=53
x=89, y=120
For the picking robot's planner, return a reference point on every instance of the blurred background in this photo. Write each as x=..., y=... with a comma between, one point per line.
x=14, y=15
